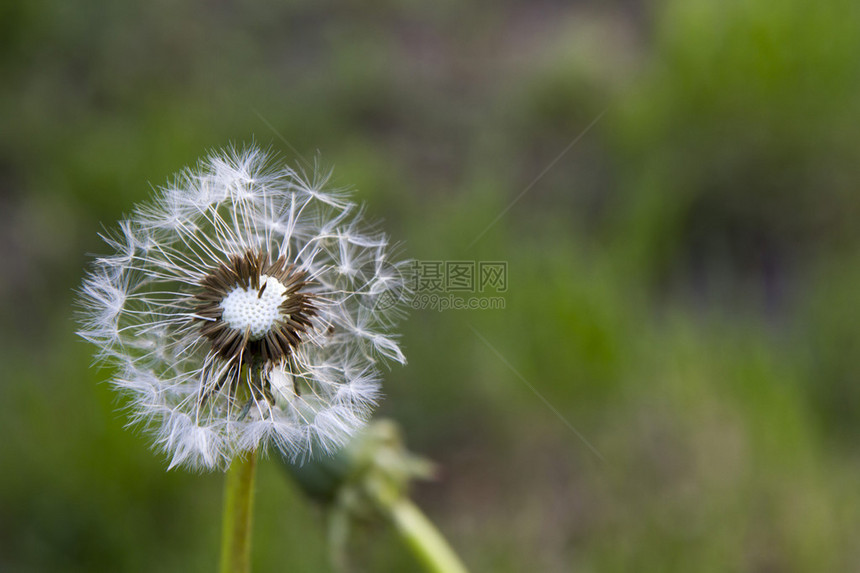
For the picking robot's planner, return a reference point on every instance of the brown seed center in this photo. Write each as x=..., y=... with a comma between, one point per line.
x=254, y=310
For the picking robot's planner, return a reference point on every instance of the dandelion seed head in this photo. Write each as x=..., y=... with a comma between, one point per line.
x=234, y=306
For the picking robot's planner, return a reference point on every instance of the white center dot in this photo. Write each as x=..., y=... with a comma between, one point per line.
x=247, y=309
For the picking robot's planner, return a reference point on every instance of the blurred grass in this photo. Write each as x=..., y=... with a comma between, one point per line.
x=682, y=283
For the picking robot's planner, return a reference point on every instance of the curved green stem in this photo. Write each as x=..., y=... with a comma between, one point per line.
x=422, y=537
x=238, y=509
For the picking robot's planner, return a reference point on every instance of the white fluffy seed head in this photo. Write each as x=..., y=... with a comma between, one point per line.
x=140, y=305
x=254, y=310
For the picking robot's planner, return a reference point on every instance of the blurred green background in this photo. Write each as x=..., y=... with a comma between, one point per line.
x=683, y=280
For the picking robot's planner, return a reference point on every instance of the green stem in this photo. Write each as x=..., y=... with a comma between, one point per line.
x=238, y=508
x=422, y=537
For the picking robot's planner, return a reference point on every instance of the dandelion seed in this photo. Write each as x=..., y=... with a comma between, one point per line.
x=233, y=312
